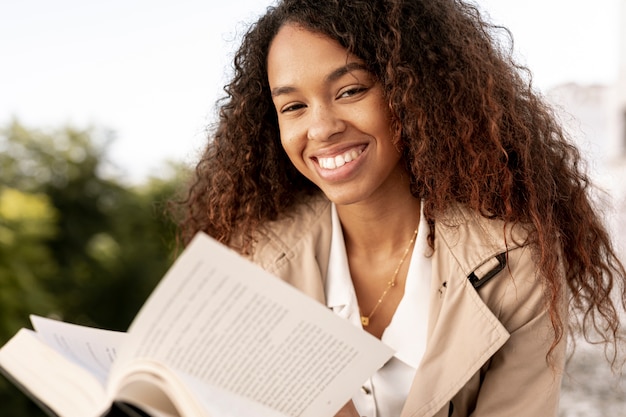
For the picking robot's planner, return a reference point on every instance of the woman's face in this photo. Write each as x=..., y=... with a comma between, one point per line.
x=333, y=118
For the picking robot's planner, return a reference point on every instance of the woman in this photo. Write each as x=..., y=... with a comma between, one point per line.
x=388, y=158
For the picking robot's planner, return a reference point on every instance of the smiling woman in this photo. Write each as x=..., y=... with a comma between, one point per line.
x=389, y=159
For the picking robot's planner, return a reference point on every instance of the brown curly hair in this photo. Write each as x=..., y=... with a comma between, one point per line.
x=471, y=127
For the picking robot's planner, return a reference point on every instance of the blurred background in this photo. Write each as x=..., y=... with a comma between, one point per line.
x=104, y=108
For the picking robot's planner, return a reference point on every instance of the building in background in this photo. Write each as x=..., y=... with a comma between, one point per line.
x=595, y=116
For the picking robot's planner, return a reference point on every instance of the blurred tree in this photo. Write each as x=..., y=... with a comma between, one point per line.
x=26, y=221
x=26, y=265
x=75, y=243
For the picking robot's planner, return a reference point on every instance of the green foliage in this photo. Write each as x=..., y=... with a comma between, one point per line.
x=75, y=243
x=26, y=264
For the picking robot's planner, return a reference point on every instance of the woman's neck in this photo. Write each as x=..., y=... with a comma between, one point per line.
x=380, y=228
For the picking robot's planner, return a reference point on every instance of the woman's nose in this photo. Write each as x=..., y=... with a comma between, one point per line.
x=324, y=123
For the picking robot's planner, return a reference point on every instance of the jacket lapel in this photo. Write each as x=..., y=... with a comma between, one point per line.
x=463, y=333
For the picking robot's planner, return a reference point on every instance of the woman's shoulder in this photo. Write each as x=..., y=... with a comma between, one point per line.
x=497, y=256
x=482, y=247
x=306, y=222
x=460, y=226
x=298, y=218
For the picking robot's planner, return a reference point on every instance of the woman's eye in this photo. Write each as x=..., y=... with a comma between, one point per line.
x=352, y=91
x=292, y=107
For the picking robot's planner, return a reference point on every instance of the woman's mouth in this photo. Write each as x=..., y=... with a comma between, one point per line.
x=339, y=160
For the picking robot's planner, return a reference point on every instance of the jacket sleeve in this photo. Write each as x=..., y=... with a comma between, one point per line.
x=521, y=379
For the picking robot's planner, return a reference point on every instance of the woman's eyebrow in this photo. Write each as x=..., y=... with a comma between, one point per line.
x=341, y=71
x=333, y=76
x=282, y=90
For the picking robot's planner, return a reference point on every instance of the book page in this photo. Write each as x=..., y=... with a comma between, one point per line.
x=94, y=349
x=51, y=380
x=222, y=403
x=224, y=321
x=165, y=392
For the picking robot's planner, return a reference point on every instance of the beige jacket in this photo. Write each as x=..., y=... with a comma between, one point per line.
x=486, y=348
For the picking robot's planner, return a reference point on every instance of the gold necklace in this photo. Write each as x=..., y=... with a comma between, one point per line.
x=365, y=320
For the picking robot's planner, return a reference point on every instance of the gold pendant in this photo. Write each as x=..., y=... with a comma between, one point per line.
x=365, y=321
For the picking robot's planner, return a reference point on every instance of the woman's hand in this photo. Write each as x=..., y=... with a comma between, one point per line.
x=348, y=410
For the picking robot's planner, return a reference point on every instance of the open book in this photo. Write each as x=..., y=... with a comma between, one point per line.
x=218, y=337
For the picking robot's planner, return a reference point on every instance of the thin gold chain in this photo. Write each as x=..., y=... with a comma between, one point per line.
x=365, y=320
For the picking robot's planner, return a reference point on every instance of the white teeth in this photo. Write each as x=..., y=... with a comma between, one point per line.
x=339, y=160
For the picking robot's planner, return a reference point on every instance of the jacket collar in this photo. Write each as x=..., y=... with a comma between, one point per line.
x=296, y=248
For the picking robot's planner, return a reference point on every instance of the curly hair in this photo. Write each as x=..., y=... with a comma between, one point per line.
x=471, y=127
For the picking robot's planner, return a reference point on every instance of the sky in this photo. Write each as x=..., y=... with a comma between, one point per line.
x=151, y=70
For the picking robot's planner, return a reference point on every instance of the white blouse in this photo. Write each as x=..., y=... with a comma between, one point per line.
x=385, y=392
